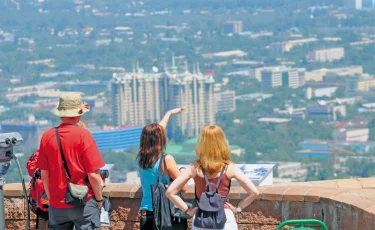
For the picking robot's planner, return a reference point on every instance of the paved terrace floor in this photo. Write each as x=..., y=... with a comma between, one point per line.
x=342, y=204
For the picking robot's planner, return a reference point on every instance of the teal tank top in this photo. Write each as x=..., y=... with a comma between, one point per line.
x=149, y=177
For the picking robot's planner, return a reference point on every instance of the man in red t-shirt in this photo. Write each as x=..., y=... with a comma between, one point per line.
x=83, y=160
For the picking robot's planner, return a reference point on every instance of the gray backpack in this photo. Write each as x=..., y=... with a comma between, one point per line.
x=210, y=213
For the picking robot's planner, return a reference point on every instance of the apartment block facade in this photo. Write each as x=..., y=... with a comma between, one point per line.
x=140, y=98
x=225, y=101
x=232, y=27
x=362, y=83
x=326, y=55
x=273, y=77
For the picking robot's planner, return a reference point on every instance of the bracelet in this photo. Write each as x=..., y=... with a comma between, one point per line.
x=187, y=210
x=99, y=200
x=181, y=168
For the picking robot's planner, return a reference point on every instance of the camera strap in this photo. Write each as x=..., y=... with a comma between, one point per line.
x=62, y=154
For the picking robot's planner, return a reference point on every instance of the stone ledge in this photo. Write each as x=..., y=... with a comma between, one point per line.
x=341, y=204
x=354, y=192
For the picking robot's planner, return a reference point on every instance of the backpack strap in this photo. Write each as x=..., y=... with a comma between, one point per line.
x=162, y=161
x=226, y=196
x=208, y=183
x=62, y=154
x=220, y=177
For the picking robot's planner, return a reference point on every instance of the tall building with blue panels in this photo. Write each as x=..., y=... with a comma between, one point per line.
x=120, y=139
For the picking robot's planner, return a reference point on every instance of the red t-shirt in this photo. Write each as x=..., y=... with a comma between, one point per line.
x=82, y=156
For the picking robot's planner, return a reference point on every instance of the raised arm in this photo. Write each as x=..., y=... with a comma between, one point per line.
x=164, y=121
x=246, y=184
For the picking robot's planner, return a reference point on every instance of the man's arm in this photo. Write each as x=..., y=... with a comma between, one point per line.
x=96, y=183
x=45, y=180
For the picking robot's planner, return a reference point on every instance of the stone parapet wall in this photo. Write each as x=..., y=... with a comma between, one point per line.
x=341, y=204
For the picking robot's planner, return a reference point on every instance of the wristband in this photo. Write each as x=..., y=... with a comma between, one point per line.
x=187, y=210
x=239, y=209
x=99, y=200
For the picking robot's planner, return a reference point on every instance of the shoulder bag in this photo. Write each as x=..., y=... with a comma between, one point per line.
x=76, y=194
x=166, y=215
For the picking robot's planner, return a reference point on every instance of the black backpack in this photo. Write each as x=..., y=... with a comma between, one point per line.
x=166, y=215
x=210, y=213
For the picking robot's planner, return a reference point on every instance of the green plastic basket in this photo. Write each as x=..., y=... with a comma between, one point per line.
x=302, y=224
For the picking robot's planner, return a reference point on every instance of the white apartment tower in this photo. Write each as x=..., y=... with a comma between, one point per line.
x=194, y=91
x=137, y=98
x=140, y=98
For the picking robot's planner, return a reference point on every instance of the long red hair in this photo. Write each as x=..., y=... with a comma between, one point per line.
x=212, y=149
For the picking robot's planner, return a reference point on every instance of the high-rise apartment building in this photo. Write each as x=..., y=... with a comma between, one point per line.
x=140, y=98
x=233, y=27
x=137, y=98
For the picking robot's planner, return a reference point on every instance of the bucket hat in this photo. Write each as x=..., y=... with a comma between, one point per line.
x=71, y=105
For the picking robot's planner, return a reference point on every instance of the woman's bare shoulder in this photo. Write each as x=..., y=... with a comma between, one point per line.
x=231, y=170
x=169, y=157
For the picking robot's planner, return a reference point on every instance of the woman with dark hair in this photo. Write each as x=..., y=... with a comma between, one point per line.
x=152, y=145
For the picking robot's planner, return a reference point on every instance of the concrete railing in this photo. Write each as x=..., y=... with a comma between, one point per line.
x=341, y=204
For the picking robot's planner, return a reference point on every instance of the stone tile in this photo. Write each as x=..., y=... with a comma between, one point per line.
x=190, y=192
x=328, y=193
x=237, y=193
x=295, y=194
x=108, y=188
x=349, y=183
x=313, y=195
x=368, y=193
x=126, y=190
x=297, y=184
x=370, y=210
x=273, y=193
x=367, y=182
x=13, y=190
x=326, y=184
